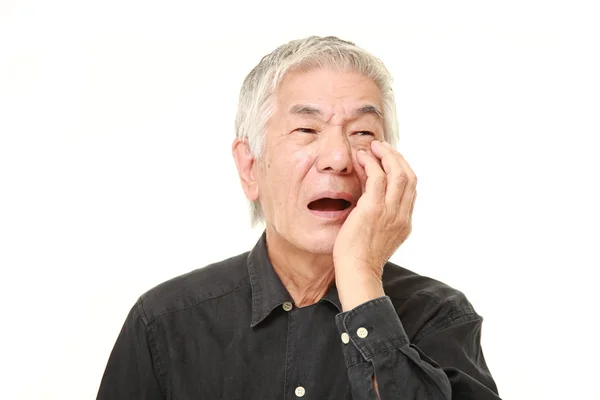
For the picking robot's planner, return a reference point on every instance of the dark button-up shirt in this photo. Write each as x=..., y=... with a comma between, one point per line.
x=231, y=330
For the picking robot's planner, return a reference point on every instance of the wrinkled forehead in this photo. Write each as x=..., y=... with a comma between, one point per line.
x=322, y=92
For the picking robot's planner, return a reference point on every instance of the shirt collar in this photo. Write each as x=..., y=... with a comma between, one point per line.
x=268, y=292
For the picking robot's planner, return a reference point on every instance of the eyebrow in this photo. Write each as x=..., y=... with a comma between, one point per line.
x=303, y=109
x=369, y=109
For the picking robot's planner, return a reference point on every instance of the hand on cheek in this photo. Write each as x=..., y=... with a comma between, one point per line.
x=377, y=226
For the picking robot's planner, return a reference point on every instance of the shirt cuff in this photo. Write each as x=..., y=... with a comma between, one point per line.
x=370, y=329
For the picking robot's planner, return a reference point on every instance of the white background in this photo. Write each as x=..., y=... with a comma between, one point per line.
x=116, y=121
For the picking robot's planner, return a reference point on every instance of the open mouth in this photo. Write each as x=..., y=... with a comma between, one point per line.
x=329, y=204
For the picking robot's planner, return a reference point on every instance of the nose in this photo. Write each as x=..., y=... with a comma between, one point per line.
x=335, y=153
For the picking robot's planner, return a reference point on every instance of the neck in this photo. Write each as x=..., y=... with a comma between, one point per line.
x=306, y=276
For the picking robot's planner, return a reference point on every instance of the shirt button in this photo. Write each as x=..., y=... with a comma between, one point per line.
x=287, y=306
x=345, y=338
x=300, y=391
x=362, y=333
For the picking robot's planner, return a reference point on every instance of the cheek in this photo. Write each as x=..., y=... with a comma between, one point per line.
x=360, y=172
x=359, y=169
x=303, y=159
x=362, y=143
x=288, y=171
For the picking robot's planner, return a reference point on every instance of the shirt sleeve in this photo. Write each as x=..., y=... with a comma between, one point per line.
x=131, y=372
x=444, y=363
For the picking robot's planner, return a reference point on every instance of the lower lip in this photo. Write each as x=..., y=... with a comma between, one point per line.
x=332, y=215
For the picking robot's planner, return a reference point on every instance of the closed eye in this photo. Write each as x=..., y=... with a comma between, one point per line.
x=306, y=130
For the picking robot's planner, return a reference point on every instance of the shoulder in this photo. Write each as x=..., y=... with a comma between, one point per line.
x=402, y=284
x=424, y=302
x=192, y=288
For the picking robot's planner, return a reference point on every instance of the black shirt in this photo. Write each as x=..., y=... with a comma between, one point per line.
x=230, y=330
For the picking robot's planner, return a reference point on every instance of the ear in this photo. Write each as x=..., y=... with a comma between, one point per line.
x=245, y=166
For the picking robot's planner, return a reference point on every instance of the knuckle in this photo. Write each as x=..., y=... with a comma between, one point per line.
x=401, y=178
x=379, y=179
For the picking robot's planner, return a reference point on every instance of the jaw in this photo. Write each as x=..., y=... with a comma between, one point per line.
x=304, y=239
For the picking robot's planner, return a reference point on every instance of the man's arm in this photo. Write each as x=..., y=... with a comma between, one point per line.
x=378, y=345
x=444, y=362
x=131, y=373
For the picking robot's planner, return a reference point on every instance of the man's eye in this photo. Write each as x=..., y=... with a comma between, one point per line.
x=306, y=130
x=364, y=133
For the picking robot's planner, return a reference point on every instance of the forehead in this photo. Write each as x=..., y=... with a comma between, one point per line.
x=327, y=89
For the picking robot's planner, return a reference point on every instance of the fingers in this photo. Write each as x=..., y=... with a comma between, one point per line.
x=394, y=182
x=395, y=173
x=412, y=206
x=400, y=175
x=409, y=193
x=376, y=178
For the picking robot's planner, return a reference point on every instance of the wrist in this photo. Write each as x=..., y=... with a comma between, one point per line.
x=353, y=295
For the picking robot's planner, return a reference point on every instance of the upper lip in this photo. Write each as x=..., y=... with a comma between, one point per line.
x=334, y=195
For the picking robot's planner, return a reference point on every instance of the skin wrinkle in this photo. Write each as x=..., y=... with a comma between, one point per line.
x=297, y=165
x=308, y=110
x=307, y=252
x=313, y=149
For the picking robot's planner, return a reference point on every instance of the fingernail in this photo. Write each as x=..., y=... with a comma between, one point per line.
x=362, y=152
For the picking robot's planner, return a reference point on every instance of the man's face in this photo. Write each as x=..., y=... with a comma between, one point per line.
x=322, y=118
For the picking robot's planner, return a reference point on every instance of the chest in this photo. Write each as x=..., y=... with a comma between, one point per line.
x=289, y=355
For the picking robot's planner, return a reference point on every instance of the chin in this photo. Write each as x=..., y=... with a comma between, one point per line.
x=308, y=237
x=320, y=240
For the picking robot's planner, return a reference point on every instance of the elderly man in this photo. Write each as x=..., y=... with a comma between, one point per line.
x=315, y=310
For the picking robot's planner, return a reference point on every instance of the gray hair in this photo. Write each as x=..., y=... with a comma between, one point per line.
x=257, y=103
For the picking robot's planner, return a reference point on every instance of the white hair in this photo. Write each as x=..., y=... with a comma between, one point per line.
x=257, y=103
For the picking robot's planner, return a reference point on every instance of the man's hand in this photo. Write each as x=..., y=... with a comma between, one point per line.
x=378, y=225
